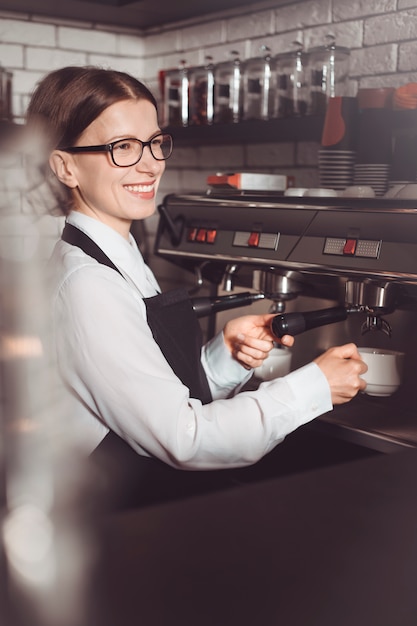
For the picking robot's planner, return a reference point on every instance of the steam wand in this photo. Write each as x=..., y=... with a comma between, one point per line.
x=206, y=306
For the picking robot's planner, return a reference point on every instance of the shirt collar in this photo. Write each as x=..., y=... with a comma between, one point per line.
x=124, y=254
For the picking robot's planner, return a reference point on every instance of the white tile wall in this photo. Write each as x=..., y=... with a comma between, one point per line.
x=407, y=56
x=86, y=39
x=343, y=10
x=395, y=26
x=381, y=58
x=249, y=26
x=11, y=55
x=303, y=15
x=41, y=58
x=27, y=33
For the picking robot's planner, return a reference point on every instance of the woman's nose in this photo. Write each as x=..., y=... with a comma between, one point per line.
x=149, y=163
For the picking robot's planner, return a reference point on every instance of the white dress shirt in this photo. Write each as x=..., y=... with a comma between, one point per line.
x=115, y=371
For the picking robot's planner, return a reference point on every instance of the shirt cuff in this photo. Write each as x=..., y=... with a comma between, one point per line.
x=310, y=390
x=220, y=366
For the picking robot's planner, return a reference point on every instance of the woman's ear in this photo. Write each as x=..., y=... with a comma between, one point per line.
x=62, y=166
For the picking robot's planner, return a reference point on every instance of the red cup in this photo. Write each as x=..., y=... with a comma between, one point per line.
x=375, y=98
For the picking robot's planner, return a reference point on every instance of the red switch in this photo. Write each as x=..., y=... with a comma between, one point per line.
x=253, y=240
x=211, y=235
x=192, y=234
x=201, y=234
x=350, y=247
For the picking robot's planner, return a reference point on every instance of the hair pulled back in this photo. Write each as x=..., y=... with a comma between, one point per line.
x=68, y=100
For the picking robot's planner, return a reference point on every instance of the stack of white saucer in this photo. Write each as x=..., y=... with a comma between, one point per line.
x=375, y=175
x=336, y=168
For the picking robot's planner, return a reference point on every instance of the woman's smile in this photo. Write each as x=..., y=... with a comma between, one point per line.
x=143, y=189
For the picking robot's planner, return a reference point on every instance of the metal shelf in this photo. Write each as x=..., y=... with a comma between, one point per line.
x=307, y=128
x=303, y=128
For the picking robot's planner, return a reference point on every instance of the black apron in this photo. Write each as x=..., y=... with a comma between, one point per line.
x=121, y=477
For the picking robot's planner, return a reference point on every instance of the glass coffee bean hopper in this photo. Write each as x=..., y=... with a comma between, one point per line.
x=329, y=74
x=201, y=105
x=175, y=101
x=257, y=87
x=228, y=90
x=292, y=90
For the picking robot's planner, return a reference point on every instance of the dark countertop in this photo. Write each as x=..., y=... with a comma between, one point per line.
x=384, y=424
x=333, y=546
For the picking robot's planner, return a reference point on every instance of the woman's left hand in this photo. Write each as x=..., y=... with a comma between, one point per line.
x=249, y=339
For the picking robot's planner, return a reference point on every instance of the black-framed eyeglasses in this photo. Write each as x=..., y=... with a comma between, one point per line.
x=128, y=152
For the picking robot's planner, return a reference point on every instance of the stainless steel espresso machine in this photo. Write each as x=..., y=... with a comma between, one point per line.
x=334, y=270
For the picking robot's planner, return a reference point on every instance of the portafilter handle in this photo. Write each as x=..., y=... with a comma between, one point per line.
x=296, y=323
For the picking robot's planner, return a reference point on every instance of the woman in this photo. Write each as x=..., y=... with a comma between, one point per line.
x=131, y=356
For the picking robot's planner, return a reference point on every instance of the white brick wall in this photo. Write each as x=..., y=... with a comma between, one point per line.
x=343, y=10
x=40, y=58
x=397, y=26
x=303, y=15
x=365, y=61
x=27, y=33
x=381, y=34
x=32, y=47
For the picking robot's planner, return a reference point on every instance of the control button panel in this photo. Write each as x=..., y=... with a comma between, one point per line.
x=255, y=239
x=202, y=235
x=362, y=248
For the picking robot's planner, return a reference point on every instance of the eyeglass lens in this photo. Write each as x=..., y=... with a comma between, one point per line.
x=128, y=151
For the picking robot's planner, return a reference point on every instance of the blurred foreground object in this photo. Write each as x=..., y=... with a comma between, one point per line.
x=46, y=551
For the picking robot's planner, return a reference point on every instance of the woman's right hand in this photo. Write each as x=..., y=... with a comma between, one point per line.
x=343, y=366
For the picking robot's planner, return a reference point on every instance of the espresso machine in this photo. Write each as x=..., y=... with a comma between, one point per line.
x=334, y=270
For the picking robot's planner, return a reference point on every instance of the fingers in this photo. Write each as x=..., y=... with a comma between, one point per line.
x=347, y=351
x=251, y=352
x=287, y=340
x=249, y=339
x=343, y=368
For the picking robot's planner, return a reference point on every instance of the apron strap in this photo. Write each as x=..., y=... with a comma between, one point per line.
x=125, y=478
x=171, y=318
x=76, y=237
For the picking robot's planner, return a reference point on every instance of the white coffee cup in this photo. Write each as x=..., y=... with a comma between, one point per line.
x=276, y=364
x=394, y=190
x=385, y=368
x=295, y=191
x=358, y=191
x=407, y=192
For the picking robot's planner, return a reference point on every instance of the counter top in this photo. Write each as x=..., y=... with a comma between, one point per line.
x=332, y=546
x=383, y=424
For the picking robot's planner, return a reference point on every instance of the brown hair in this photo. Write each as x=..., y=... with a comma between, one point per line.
x=68, y=100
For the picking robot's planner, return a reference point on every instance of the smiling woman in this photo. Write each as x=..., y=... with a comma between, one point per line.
x=150, y=400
